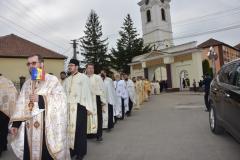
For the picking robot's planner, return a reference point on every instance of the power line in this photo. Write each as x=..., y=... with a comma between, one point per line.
x=26, y=11
x=204, y=18
x=40, y=18
x=7, y=23
x=209, y=32
x=40, y=37
x=208, y=20
x=198, y=34
x=21, y=34
x=16, y=12
x=231, y=24
x=218, y=13
x=67, y=50
x=181, y=37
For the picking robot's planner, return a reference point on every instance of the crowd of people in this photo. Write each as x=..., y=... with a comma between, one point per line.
x=52, y=118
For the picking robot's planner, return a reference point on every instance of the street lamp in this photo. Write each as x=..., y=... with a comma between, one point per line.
x=212, y=55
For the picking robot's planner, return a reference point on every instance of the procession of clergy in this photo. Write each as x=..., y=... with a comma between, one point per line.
x=52, y=119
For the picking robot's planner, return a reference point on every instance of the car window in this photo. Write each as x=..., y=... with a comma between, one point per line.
x=226, y=75
x=236, y=80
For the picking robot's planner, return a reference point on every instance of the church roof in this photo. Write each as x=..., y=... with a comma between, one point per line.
x=13, y=46
x=214, y=42
x=185, y=48
x=147, y=55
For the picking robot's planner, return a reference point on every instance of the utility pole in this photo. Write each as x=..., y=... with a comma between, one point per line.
x=74, y=48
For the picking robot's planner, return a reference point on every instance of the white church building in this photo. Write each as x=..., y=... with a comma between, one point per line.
x=167, y=61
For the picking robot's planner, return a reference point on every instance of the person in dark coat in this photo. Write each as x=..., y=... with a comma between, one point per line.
x=207, y=82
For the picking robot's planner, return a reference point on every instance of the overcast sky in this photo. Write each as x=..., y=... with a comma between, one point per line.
x=59, y=21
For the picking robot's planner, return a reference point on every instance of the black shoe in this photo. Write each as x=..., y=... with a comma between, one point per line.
x=115, y=119
x=5, y=148
x=99, y=139
x=79, y=158
x=72, y=153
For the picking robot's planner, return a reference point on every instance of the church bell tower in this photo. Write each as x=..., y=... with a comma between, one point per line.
x=156, y=23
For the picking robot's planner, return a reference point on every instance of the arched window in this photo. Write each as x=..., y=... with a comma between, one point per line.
x=148, y=16
x=163, y=14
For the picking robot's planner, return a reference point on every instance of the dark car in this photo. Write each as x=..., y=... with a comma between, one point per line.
x=224, y=100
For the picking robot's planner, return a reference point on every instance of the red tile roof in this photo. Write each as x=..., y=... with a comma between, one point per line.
x=209, y=43
x=214, y=42
x=17, y=47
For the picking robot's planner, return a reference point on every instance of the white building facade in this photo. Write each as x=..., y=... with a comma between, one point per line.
x=177, y=65
x=156, y=22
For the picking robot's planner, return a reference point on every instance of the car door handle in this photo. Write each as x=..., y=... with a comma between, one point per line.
x=214, y=90
x=227, y=95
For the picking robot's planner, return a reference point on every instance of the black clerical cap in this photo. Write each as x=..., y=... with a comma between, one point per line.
x=74, y=61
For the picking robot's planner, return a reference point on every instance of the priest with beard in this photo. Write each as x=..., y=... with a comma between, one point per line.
x=79, y=103
x=39, y=122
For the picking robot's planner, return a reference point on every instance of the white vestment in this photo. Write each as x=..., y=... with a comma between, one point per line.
x=118, y=105
x=8, y=96
x=153, y=88
x=111, y=99
x=97, y=88
x=157, y=87
x=131, y=90
x=55, y=120
x=78, y=91
x=122, y=92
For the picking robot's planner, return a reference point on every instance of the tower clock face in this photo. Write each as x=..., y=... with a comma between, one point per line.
x=146, y=2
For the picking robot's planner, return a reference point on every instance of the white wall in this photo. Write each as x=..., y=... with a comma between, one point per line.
x=157, y=29
x=159, y=71
x=193, y=67
x=137, y=72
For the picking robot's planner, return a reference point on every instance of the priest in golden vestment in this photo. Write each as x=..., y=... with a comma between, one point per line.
x=39, y=122
x=138, y=89
x=147, y=89
x=79, y=102
x=141, y=83
x=8, y=96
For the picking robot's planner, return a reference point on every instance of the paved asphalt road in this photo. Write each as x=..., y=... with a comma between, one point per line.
x=170, y=127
